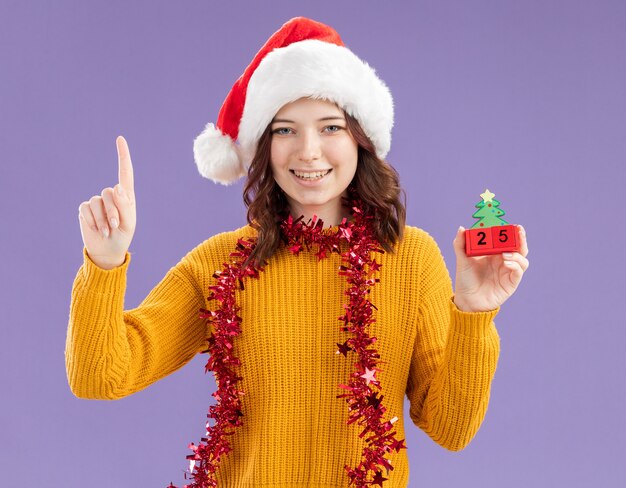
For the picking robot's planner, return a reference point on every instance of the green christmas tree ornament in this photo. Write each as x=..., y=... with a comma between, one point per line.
x=491, y=234
x=488, y=212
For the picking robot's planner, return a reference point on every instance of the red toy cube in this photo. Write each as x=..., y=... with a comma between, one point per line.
x=492, y=240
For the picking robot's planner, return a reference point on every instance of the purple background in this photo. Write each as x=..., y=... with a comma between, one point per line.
x=527, y=99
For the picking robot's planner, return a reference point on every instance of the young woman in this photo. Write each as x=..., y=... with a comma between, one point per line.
x=322, y=313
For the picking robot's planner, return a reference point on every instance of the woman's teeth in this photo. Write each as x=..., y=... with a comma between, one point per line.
x=311, y=176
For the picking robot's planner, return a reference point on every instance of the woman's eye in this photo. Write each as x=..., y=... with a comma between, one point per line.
x=277, y=131
x=334, y=126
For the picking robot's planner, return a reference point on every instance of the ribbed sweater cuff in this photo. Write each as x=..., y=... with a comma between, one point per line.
x=472, y=324
x=106, y=280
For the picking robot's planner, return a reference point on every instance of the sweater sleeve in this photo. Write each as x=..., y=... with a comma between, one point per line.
x=454, y=359
x=111, y=353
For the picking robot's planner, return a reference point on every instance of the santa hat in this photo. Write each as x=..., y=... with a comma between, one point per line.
x=304, y=58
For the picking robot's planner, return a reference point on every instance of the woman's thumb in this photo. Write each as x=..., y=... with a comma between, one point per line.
x=459, y=240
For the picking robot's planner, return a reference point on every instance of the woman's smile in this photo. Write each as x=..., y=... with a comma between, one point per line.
x=309, y=178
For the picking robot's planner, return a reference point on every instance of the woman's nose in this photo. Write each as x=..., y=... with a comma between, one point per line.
x=310, y=146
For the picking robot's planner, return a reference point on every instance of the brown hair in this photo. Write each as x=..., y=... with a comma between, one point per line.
x=376, y=183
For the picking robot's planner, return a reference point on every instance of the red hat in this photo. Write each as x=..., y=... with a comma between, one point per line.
x=304, y=58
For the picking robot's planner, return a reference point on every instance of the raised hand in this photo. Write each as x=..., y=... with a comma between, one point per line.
x=108, y=220
x=484, y=283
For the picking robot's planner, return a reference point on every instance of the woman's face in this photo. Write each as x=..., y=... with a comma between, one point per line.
x=313, y=156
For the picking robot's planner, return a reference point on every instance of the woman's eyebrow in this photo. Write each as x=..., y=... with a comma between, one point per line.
x=319, y=120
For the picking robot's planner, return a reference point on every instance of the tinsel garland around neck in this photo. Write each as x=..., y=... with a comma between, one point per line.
x=364, y=403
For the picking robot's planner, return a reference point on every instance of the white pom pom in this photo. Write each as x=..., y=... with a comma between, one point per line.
x=217, y=156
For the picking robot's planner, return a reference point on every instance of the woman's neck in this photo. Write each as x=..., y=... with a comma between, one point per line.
x=330, y=216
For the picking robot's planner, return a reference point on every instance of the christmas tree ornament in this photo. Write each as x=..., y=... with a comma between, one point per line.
x=491, y=234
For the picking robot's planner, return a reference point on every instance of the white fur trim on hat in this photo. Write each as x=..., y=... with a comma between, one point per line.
x=217, y=156
x=320, y=70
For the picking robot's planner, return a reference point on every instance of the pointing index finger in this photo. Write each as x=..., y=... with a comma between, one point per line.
x=125, y=167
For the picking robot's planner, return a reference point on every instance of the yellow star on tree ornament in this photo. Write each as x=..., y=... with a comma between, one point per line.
x=487, y=196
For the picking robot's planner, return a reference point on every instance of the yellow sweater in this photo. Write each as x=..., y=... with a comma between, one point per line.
x=294, y=431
